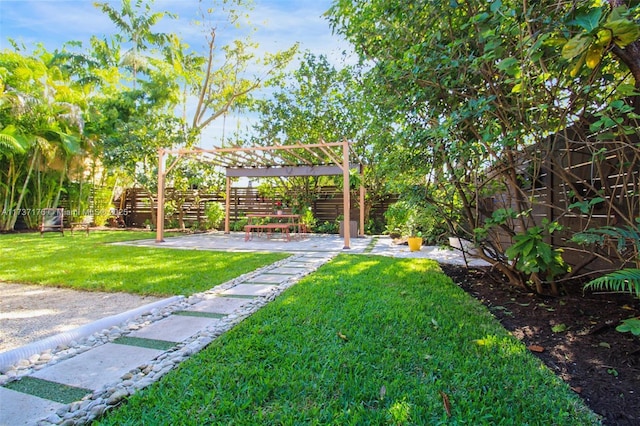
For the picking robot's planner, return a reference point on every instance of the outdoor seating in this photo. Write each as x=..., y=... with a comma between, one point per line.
x=52, y=219
x=284, y=228
x=292, y=222
x=84, y=224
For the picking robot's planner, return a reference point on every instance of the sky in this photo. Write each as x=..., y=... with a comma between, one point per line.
x=279, y=24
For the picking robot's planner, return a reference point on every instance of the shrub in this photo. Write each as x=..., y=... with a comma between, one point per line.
x=407, y=218
x=308, y=219
x=215, y=214
x=239, y=224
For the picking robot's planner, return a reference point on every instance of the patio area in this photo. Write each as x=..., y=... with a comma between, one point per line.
x=320, y=243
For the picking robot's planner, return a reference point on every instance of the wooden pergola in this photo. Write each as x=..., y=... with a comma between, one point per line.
x=319, y=159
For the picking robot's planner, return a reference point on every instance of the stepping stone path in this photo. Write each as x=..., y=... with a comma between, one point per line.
x=76, y=383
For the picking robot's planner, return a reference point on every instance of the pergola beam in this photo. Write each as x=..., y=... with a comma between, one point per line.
x=286, y=171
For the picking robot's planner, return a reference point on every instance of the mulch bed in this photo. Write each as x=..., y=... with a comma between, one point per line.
x=599, y=363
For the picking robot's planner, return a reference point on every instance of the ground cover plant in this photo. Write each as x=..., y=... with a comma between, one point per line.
x=363, y=340
x=92, y=263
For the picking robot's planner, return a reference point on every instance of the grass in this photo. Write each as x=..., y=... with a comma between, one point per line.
x=49, y=390
x=363, y=340
x=90, y=263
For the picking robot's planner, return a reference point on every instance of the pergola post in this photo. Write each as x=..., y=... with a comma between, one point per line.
x=362, y=196
x=227, y=207
x=347, y=194
x=160, y=208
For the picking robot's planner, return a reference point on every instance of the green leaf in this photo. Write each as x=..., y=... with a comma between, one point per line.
x=625, y=280
x=624, y=31
x=509, y=66
x=575, y=46
x=588, y=21
x=630, y=325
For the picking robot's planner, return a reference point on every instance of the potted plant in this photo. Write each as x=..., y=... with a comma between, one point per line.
x=279, y=207
x=415, y=241
x=414, y=236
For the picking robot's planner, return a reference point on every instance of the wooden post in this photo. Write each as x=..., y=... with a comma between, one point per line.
x=160, y=207
x=362, y=194
x=347, y=194
x=227, y=207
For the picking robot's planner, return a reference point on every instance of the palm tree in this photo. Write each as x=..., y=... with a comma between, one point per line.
x=136, y=26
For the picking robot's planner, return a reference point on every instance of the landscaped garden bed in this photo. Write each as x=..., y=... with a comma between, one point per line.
x=574, y=336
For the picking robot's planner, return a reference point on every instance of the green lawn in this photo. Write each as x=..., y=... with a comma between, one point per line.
x=90, y=263
x=363, y=340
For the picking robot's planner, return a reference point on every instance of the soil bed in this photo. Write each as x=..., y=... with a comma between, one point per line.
x=600, y=364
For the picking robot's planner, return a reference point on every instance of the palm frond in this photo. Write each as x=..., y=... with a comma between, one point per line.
x=10, y=144
x=624, y=280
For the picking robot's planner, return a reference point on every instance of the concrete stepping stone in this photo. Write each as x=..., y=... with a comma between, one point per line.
x=99, y=366
x=269, y=279
x=250, y=289
x=175, y=328
x=21, y=409
x=219, y=305
x=288, y=270
x=307, y=263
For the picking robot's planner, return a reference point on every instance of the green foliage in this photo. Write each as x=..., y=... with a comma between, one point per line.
x=602, y=27
x=41, y=125
x=411, y=218
x=327, y=227
x=374, y=226
x=628, y=279
x=397, y=217
x=631, y=325
x=533, y=255
x=78, y=195
x=364, y=340
x=322, y=102
x=624, y=280
x=102, y=205
x=479, y=96
x=238, y=225
x=623, y=237
x=215, y=215
x=308, y=219
x=498, y=217
x=586, y=206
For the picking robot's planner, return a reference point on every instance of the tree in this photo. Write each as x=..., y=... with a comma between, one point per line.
x=173, y=76
x=487, y=98
x=225, y=83
x=40, y=117
x=137, y=115
x=320, y=102
x=135, y=24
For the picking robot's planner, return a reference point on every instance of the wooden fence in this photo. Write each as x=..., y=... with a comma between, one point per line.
x=605, y=174
x=326, y=207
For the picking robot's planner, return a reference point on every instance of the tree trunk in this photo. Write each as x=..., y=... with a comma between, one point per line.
x=630, y=56
x=16, y=210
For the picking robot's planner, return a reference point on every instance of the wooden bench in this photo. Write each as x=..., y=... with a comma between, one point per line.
x=269, y=228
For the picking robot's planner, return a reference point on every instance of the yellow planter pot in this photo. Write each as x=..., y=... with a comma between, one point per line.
x=414, y=243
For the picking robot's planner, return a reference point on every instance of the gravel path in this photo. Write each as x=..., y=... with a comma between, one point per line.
x=29, y=313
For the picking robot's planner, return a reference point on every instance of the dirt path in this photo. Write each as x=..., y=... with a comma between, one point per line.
x=29, y=313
